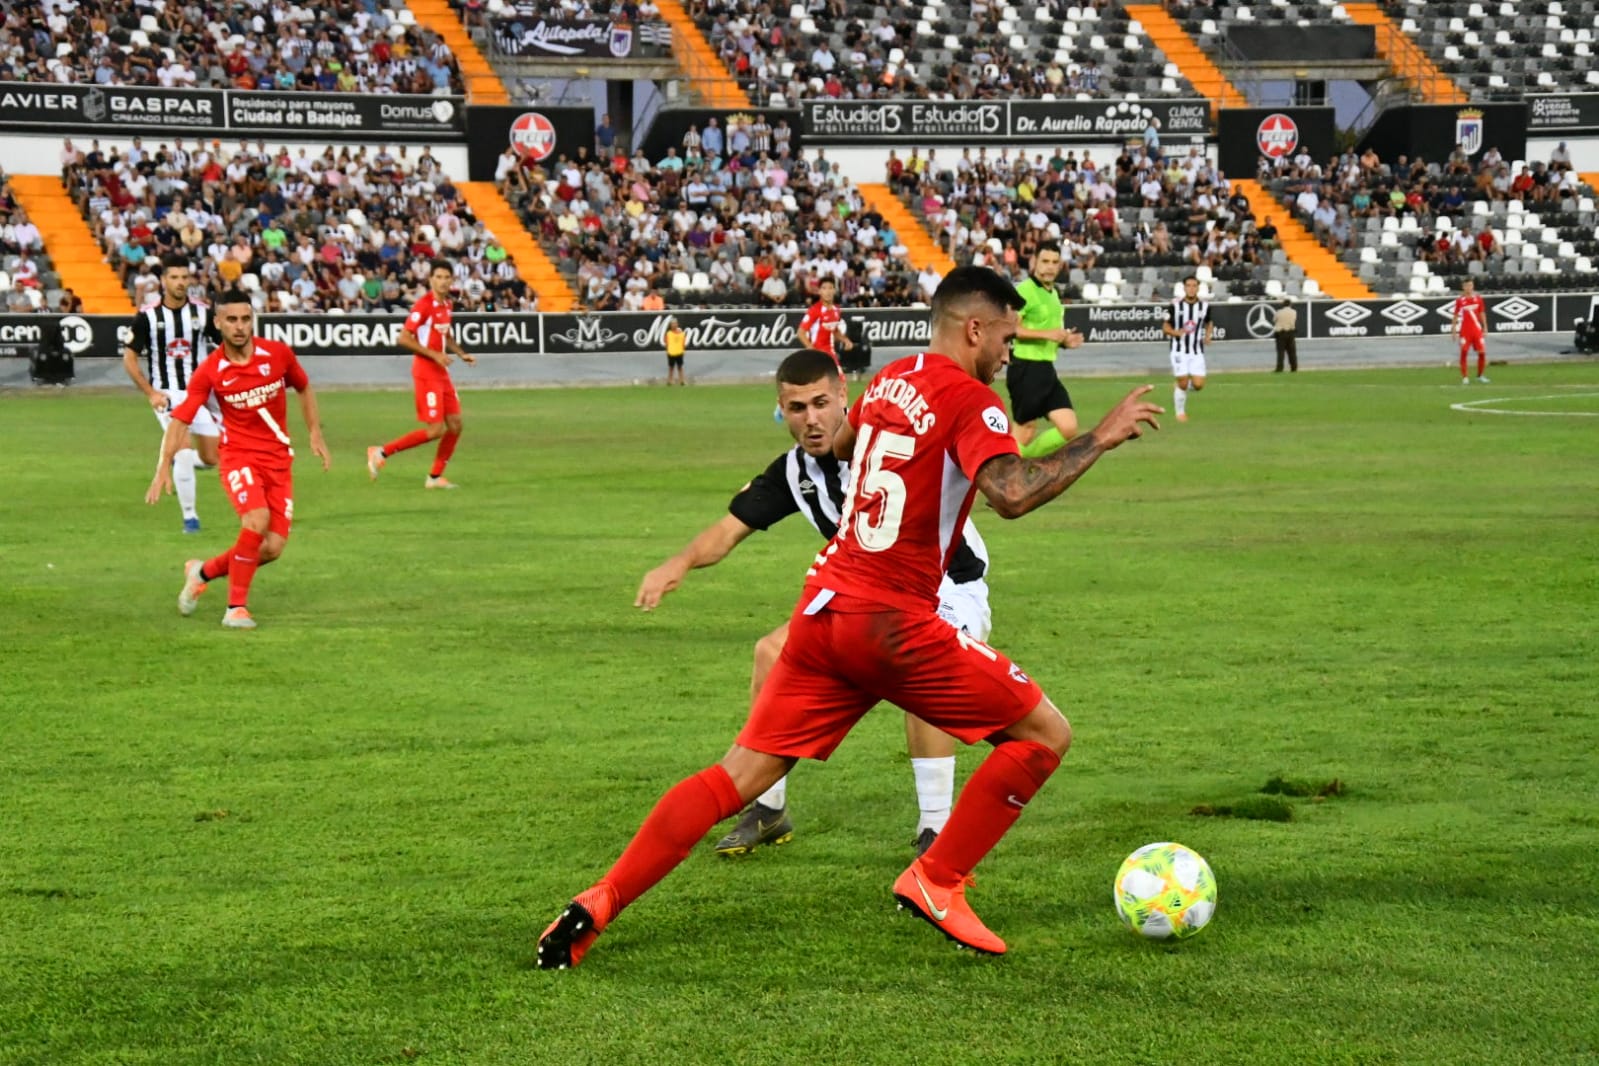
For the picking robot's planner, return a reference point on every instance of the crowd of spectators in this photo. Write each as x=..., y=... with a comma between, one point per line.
x=348, y=229
x=706, y=228
x=1338, y=197
x=1142, y=207
x=830, y=49
x=628, y=12
x=365, y=46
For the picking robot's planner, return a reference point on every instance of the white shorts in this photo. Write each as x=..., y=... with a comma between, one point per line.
x=207, y=422
x=1187, y=366
x=966, y=607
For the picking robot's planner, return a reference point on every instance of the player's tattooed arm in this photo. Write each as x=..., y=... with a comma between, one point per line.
x=1014, y=486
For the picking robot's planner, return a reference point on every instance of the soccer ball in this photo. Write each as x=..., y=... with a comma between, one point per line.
x=1165, y=892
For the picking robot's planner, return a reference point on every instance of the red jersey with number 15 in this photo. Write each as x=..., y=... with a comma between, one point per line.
x=255, y=425
x=1471, y=312
x=429, y=320
x=923, y=429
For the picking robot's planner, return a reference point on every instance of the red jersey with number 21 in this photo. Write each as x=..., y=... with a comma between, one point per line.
x=255, y=425
x=1471, y=310
x=923, y=429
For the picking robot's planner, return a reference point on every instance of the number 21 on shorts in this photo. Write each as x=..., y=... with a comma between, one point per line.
x=239, y=483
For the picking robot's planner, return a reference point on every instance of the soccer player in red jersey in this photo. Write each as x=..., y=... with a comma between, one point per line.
x=822, y=327
x=1470, y=327
x=925, y=437
x=247, y=375
x=427, y=337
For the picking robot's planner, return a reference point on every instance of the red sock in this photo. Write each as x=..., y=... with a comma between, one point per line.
x=241, y=569
x=420, y=436
x=680, y=818
x=988, y=806
x=1482, y=363
x=1464, y=353
x=218, y=567
x=442, y=456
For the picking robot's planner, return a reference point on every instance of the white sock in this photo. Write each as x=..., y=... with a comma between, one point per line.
x=775, y=797
x=183, y=465
x=1179, y=398
x=935, y=791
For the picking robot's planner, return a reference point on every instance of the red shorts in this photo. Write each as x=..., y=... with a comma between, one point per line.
x=844, y=658
x=435, y=397
x=252, y=487
x=1468, y=341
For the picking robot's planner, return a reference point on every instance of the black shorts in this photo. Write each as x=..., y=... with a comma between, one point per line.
x=674, y=360
x=1035, y=390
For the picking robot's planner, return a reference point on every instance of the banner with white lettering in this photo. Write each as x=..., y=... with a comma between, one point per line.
x=983, y=121
x=112, y=108
x=1563, y=113
x=728, y=330
x=541, y=38
x=108, y=108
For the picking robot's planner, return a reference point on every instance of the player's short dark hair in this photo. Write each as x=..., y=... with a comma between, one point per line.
x=174, y=261
x=231, y=296
x=1193, y=278
x=805, y=366
x=1047, y=246
x=828, y=279
x=440, y=264
x=964, y=282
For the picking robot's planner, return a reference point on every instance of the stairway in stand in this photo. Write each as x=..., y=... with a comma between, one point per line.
x=1302, y=247
x=70, y=244
x=532, y=264
x=483, y=86
x=912, y=232
x=1167, y=34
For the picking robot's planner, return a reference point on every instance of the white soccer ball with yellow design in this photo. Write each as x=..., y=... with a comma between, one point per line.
x=1165, y=892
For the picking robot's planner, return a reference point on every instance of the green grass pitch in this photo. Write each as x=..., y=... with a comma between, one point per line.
x=334, y=840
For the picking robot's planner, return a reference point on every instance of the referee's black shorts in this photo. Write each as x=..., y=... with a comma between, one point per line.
x=1035, y=390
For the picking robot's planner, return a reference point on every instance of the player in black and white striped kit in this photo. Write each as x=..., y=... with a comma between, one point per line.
x=809, y=481
x=166, y=342
x=1189, y=327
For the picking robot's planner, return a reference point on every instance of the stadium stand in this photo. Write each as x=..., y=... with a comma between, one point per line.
x=1502, y=50
x=1412, y=227
x=1190, y=57
x=68, y=260
x=340, y=46
x=1130, y=228
x=346, y=230
x=849, y=49
x=636, y=235
x=480, y=81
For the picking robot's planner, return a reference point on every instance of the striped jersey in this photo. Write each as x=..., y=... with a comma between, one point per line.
x=171, y=343
x=1189, y=319
x=800, y=483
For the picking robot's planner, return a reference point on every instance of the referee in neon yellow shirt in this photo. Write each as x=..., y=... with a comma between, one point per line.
x=1035, y=390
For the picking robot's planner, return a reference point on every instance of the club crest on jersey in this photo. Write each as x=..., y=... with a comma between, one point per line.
x=1017, y=676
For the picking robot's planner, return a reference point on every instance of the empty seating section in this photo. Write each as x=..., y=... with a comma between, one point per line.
x=1130, y=228
x=366, y=46
x=947, y=49
x=1501, y=49
x=345, y=230
x=636, y=235
x=1418, y=228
